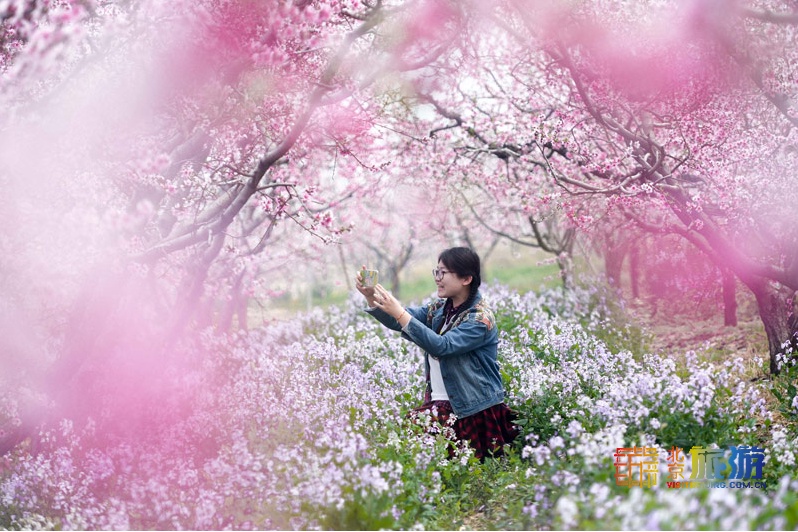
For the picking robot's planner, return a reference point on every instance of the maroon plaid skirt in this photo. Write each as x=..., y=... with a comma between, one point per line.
x=486, y=431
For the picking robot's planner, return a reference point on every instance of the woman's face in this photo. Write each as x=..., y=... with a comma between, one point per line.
x=450, y=285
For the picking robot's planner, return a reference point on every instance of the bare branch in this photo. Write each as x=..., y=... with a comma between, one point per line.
x=771, y=17
x=493, y=230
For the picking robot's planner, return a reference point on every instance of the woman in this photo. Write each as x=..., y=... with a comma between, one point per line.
x=459, y=336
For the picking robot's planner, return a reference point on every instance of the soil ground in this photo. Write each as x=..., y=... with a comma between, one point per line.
x=677, y=328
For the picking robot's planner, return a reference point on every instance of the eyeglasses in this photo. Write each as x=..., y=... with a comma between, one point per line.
x=438, y=274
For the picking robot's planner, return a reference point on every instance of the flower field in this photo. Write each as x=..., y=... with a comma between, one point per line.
x=301, y=425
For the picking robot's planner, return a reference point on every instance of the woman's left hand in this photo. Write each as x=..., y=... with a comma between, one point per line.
x=387, y=303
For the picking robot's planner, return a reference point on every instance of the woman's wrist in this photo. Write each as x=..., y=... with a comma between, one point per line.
x=401, y=316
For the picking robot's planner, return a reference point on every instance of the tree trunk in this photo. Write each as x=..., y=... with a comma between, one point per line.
x=393, y=280
x=774, y=302
x=729, y=298
x=614, y=253
x=232, y=306
x=242, y=312
x=566, y=265
x=634, y=270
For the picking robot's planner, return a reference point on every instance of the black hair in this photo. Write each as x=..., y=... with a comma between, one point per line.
x=464, y=262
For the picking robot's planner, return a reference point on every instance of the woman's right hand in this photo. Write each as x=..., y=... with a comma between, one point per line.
x=367, y=291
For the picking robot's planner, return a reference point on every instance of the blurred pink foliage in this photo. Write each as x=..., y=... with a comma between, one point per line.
x=162, y=159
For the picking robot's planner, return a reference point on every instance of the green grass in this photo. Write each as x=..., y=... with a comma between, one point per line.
x=524, y=276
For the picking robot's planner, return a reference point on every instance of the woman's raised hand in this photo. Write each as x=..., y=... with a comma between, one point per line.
x=367, y=291
x=384, y=301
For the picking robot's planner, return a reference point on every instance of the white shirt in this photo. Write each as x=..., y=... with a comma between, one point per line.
x=435, y=377
x=436, y=380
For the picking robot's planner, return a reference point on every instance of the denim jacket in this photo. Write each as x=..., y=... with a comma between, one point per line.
x=467, y=352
